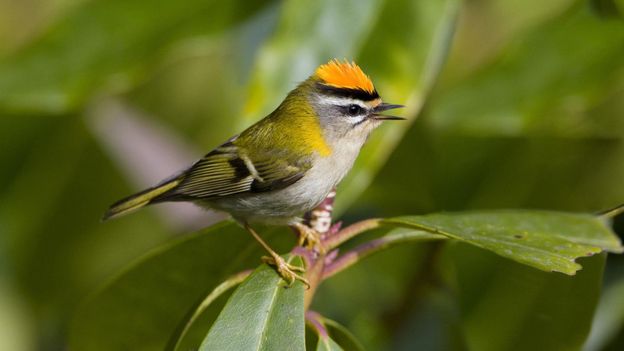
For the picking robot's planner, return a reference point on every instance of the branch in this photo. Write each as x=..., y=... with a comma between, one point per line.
x=319, y=219
x=321, y=261
x=351, y=257
x=315, y=320
x=613, y=212
x=351, y=231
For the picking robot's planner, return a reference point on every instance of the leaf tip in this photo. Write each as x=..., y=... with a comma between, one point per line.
x=618, y=249
x=569, y=270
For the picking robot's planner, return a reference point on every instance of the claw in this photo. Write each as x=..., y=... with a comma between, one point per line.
x=286, y=270
x=309, y=236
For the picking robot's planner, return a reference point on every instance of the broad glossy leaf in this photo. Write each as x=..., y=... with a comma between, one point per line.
x=327, y=344
x=105, y=43
x=207, y=303
x=264, y=313
x=143, y=306
x=550, y=241
x=507, y=306
x=342, y=336
x=329, y=335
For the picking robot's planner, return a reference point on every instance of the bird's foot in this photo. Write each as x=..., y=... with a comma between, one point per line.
x=308, y=236
x=286, y=270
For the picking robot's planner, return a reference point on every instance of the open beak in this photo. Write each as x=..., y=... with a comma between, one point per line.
x=385, y=107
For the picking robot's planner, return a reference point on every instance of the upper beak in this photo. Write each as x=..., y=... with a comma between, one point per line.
x=385, y=107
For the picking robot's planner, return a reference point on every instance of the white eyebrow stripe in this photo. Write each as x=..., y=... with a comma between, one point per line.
x=341, y=101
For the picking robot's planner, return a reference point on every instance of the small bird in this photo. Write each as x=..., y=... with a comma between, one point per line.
x=285, y=164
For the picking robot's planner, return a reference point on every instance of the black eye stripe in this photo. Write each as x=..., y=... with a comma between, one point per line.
x=348, y=93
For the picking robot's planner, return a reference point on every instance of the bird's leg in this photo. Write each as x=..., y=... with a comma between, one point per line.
x=285, y=270
x=307, y=235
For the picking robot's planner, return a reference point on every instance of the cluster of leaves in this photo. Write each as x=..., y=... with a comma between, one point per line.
x=528, y=115
x=158, y=296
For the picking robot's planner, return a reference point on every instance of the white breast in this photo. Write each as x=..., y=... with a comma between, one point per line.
x=285, y=206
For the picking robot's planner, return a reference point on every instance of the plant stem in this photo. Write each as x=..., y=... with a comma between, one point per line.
x=351, y=231
x=319, y=219
x=315, y=320
x=320, y=260
x=314, y=274
x=610, y=213
x=351, y=257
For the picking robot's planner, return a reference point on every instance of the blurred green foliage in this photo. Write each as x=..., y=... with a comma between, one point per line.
x=526, y=111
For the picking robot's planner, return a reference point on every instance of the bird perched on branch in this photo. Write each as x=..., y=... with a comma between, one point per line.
x=286, y=163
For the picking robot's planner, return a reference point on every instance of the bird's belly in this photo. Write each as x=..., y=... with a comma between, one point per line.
x=286, y=206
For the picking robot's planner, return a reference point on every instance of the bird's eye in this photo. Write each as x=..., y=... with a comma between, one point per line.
x=354, y=110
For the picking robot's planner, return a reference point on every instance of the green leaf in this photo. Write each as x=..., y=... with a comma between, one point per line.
x=145, y=304
x=508, y=306
x=327, y=344
x=208, y=301
x=264, y=313
x=393, y=238
x=105, y=43
x=330, y=335
x=550, y=241
x=342, y=336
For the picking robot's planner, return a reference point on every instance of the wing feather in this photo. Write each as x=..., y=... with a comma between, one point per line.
x=228, y=171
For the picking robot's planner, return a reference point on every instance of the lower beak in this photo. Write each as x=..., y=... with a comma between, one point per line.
x=387, y=118
x=385, y=107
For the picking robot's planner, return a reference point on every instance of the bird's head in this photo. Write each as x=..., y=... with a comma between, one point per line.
x=345, y=101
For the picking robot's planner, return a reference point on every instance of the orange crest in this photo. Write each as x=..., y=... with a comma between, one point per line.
x=344, y=75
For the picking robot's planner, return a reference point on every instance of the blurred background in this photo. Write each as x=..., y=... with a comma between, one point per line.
x=510, y=104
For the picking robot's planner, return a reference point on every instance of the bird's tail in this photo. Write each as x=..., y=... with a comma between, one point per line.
x=138, y=200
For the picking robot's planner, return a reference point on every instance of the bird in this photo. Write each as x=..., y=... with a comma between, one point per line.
x=285, y=164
